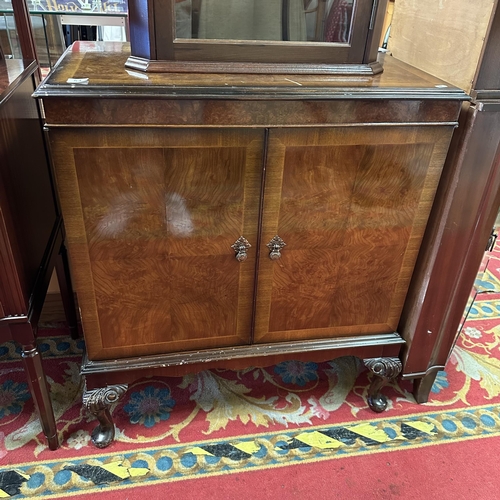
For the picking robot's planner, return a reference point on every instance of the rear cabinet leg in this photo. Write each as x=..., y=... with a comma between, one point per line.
x=40, y=392
x=422, y=386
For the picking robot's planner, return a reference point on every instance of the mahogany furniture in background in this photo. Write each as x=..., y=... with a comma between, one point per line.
x=31, y=232
x=466, y=206
x=223, y=220
x=25, y=32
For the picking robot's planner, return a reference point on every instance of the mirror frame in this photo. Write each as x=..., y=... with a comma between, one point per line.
x=154, y=46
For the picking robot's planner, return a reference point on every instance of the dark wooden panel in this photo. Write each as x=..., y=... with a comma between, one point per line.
x=460, y=223
x=353, y=209
x=375, y=33
x=141, y=24
x=26, y=173
x=488, y=76
x=25, y=31
x=13, y=299
x=150, y=235
x=26, y=195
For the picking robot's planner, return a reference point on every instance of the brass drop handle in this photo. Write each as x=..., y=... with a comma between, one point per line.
x=240, y=246
x=275, y=245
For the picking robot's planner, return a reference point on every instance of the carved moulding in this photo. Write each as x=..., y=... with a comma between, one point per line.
x=384, y=369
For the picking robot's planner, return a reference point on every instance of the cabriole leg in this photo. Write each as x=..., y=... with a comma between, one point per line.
x=384, y=369
x=98, y=402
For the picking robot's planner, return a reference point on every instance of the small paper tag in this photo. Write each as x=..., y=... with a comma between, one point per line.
x=81, y=81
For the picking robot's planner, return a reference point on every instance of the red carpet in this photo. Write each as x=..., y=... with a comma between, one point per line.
x=449, y=472
x=292, y=430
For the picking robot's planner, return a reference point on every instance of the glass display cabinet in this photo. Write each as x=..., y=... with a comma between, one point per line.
x=261, y=36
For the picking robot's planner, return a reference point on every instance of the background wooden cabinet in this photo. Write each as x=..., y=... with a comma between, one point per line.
x=31, y=230
x=459, y=42
x=445, y=38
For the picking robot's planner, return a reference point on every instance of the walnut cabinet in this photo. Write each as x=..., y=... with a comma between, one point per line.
x=229, y=220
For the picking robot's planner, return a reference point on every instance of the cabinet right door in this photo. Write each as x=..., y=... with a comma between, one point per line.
x=351, y=204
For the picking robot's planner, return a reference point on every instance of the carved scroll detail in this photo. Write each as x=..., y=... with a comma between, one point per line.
x=384, y=370
x=98, y=402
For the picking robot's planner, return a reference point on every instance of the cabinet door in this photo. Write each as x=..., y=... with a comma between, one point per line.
x=351, y=204
x=150, y=216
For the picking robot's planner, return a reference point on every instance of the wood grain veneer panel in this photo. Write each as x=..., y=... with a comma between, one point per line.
x=351, y=205
x=151, y=217
x=258, y=113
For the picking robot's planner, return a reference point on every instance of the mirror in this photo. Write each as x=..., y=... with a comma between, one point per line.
x=271, y=20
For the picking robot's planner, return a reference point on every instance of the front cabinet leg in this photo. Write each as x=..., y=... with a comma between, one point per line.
x=98, y=402
x=384, y=369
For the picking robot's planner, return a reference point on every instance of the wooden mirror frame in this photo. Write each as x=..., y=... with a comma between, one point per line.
x=154, y=47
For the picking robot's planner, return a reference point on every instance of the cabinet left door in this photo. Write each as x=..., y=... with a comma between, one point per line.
x=151, y=216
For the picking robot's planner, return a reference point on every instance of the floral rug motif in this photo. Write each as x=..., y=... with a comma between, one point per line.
x=221, y=420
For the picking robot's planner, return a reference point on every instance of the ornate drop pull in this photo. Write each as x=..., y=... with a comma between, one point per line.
x=240, y=246
x=275, y=245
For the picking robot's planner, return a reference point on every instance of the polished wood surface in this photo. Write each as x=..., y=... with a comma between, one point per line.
x=351, y=205
x=115, y=96
x=151, y=217
x=164, y=218
x=103, y=63
x=122, y=162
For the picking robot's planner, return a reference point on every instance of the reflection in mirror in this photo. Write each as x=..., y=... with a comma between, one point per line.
x=274, y=20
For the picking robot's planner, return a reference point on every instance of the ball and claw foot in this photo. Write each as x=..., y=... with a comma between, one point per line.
x=377, y=403
x=104, y=434
x=98, y=402
x=384, y=369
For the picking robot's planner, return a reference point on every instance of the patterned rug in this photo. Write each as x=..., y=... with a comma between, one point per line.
x=224, y=422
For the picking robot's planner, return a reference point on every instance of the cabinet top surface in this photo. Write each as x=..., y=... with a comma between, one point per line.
x=97, y=69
